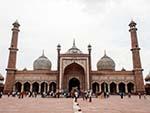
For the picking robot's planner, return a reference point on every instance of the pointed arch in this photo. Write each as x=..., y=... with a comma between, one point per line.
x=35, y=87
x=104, y=87
x=113, y=88
x=26, y=86
x=130, y=87
x=18, y=86
x=52, y=87
x=95, y=87
x=122, y=87
x=72, y=72
x=44, y=87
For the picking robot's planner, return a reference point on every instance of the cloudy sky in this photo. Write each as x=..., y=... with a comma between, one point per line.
x=102, y=23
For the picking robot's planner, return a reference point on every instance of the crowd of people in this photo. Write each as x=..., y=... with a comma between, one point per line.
x=75, y=93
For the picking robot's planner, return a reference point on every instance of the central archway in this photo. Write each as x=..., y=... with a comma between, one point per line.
x=74, y=84
x=74, y=75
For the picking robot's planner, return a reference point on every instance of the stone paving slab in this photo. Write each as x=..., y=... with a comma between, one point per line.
x=115, y=104
x=35, y=105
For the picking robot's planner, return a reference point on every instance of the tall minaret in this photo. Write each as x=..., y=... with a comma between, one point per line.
x=137, y=68
x=89, y=60
x=58, y=66
x=11, y=67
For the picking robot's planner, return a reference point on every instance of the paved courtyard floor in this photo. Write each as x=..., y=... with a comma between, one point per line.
x=114, y=104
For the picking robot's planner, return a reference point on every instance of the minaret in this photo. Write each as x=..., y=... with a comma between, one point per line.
x=58, y=66
x=11, y=67
x=89, y=50
x=137, y=68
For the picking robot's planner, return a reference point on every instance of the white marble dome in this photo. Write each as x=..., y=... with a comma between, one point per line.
x=42, y=63
x=106, y=63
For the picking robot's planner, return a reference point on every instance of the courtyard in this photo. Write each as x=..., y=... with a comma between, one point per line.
x=113, y=104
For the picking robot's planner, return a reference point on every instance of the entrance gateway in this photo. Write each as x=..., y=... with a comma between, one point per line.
x=74, y=77
x=74, y=83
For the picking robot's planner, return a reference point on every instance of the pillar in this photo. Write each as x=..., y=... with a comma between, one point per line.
x=11, y=67
x=22, y=87
x=134, y=88
x=44, y=87
x=117, y=88
x=109, y=88
x=89, y=60
x=58, y=68
x=14, y=88
x=99, y=87
x=31, y=88
x=39, y=88
x=137, y=67
x=126, y=88
x=48, y=88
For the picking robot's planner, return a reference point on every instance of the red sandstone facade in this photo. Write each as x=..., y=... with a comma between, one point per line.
x=74, y=71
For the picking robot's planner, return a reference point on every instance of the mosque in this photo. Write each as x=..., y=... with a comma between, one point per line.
x=74, y=71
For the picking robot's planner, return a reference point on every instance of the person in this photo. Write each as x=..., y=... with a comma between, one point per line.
x=1, y=94
x=58, y=94
x=76, y=96
x=86, y=95
x=104, y=94
x=8, y=94
x=121, y=94
x=21, y=94
x=83, y=95
x=35, y=94
x=90, y=96
x=129, y=95
x=107, y=94
x=144, y=95
x=30, y=93
x=139, y=95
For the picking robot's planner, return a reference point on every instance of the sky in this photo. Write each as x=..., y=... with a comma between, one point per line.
x=101, y=23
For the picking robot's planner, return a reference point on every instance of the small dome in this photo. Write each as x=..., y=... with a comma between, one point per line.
x=1, y=77
x=42, y=63
x=74, y=49
x=147, y=78
x=106, y=63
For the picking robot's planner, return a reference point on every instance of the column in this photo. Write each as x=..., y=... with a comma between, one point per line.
x=14, y=88
x=126, y=88
x=58, y=68
x=11, y=67
x=109, y=88
x=117, y=88
x=44, y=87
x=137, y=67
x=39, y=88
x=47, y=87
x=31, y=87
x=134, y=88
x=99, y=87
x=21, y=87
